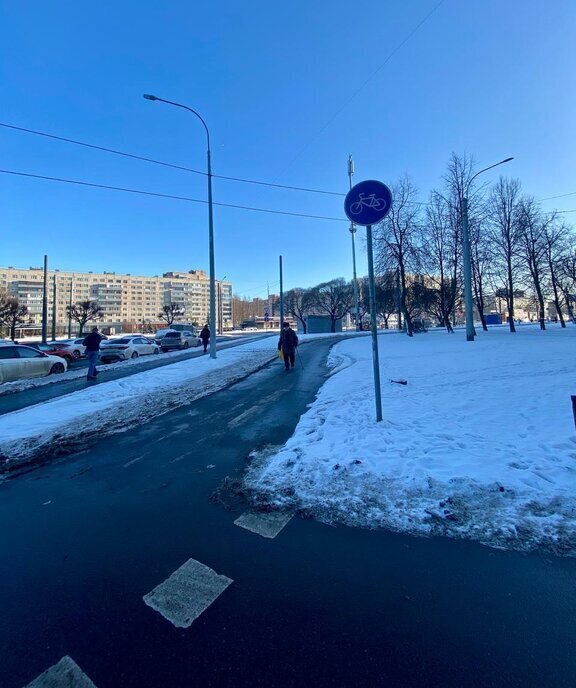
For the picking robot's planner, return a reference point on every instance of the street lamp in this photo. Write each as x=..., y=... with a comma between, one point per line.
x=210, y=221
x=466, y=259
x=353, y=233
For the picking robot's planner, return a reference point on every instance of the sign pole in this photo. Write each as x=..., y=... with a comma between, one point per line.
x=366, y=204
x=375, y=357
x=281, y=297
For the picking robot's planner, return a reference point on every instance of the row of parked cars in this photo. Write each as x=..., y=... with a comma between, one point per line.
x=19, y=361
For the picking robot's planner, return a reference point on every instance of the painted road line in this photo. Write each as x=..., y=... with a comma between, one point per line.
x=266, y=524
x=188, y=592
x=65, y=674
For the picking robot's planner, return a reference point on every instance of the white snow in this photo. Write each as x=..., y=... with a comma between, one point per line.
x=115, y=406
x=479, y=444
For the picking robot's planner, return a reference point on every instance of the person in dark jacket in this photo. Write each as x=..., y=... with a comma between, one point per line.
x=205, y=336
x=288, y=342
x=92, y=344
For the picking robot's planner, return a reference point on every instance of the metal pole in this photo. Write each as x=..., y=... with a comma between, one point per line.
x=375, y=357
x=45, y=302
x=213, y=323
x=353, y=233
x=281, y=297
x=54, y=309
x=468, y=304
x=70, y=310
x=211, y=249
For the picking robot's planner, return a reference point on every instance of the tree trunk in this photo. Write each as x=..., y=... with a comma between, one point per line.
x=556, y=294
x=13, y=330
x=540, y=303
x=510, y=299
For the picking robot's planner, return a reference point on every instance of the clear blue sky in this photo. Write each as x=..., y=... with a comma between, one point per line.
x=287, y=94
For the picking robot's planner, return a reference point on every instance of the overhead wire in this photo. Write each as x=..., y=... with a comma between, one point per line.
x=171, y=196
x=167, y=164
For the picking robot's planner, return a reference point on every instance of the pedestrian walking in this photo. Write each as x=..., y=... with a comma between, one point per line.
x=205, y=336
x=287, y=344
x=92, y=344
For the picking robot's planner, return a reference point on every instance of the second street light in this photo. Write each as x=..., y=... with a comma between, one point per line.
x=210, y=220
x=466, y=257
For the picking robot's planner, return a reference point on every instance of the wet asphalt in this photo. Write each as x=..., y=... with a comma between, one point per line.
x=84, y=538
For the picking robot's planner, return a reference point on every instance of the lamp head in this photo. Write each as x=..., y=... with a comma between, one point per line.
x=149, y=97
x=507, y=159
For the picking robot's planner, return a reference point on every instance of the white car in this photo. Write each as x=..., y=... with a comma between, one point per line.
x=18, y=362
x=127, y=347
x=77, y=347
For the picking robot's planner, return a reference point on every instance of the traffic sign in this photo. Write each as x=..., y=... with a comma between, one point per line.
x=266, y=317
x=368, y=202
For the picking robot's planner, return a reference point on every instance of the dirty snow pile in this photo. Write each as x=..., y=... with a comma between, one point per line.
x=479, y=444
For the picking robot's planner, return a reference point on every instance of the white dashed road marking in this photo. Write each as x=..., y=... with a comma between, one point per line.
x=267, y=525
x=65, y=674
x=188, y=592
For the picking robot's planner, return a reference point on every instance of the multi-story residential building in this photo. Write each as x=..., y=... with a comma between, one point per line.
x=128, y=302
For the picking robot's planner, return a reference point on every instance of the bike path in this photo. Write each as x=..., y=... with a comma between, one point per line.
x=19, y=400
x=85, y=538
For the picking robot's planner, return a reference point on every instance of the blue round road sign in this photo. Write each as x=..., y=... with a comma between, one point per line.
x=368, y=202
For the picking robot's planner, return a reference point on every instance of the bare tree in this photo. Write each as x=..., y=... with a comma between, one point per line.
x=567, y=281
x=12, y=314
x=397, y=241
x=503, y=205
x=333, y=298
x=555, y=240
x=441, y=236
x=532, y=229
x=386, y=295
x=170, y=312
x=297, y=303
x=82, y=312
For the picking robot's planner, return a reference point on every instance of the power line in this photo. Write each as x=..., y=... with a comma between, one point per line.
x=171, y=196
x=551, y=198
x=217, y=176
x=166, y=164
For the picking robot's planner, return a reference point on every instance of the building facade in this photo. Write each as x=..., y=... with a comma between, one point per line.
x=128, y=302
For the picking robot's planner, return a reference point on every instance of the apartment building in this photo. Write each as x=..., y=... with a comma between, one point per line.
x=128, y=302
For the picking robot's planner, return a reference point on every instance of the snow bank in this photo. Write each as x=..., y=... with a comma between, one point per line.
x=67, y=422
x=480, y=444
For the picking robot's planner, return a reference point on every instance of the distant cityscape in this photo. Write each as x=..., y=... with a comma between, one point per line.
x=127, y=302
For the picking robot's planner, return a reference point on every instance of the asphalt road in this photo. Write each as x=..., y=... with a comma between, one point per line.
x=59, y=387
x=83, y=539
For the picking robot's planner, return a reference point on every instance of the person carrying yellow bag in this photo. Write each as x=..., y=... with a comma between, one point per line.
x=287, y=345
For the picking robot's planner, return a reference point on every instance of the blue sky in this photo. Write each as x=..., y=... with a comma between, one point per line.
x=288, y=91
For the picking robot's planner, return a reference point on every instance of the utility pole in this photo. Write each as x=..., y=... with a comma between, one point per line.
x=353, y=233
x=281, y=297
x=70, y=310
x=54, y=309
x=45, y=302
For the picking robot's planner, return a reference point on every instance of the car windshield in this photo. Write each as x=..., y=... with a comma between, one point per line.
x=172, y=334
x=124, y=340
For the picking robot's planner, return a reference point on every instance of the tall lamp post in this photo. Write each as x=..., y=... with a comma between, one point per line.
x=353, y=233
x=466, y=256
x=213, y=323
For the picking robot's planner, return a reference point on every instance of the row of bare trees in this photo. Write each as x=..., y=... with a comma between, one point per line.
x=517, y=248
x=335, y=299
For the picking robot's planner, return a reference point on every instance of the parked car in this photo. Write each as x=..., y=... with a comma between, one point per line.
x=75, y=345
x=162, y=333
x=18, y=362
x=55, y=349
x=127, y=347
x=179, y=340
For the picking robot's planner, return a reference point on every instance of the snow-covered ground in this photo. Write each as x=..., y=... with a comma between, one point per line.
x=66, y=422
x=479, y=444
x=69, y=421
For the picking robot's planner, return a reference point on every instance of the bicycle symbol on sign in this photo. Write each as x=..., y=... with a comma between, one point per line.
x=367, y=201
